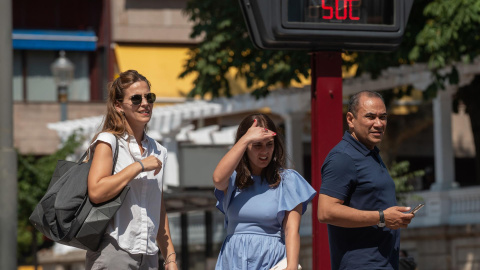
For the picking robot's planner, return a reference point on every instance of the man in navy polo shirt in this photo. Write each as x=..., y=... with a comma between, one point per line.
x=357, y=195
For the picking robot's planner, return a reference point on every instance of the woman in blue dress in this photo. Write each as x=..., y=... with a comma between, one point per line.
x=262, y=201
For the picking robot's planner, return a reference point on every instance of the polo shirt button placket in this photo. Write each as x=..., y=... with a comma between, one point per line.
x=378, y=159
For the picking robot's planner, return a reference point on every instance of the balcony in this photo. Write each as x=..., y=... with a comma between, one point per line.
x=460, y=206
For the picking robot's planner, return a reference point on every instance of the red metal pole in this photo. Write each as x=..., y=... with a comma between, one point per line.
x=327, y=129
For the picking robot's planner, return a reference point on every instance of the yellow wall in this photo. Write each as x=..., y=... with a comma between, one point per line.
x=161, y=66
x=28, y=267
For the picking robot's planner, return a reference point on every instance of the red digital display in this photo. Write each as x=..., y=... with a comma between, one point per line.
x=366, y=12
x=342, y=10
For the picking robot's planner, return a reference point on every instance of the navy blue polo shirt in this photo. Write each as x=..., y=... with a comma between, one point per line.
x=353, y=173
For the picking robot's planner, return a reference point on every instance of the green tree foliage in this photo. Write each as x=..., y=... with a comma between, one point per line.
x=374, y=62
x=225, y=45
x=450, y=35
x=439, y=32
x=33, y=178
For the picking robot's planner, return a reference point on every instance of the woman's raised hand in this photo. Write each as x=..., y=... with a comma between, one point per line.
x=152, y=163
x=256, y=133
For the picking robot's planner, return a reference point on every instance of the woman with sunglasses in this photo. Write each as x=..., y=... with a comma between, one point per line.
x=141, y=223
x=262, y=200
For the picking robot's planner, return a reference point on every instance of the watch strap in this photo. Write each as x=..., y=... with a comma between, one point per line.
x=382, y=216
x=381, y=223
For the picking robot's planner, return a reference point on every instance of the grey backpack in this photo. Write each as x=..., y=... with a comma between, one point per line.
x=65, y=213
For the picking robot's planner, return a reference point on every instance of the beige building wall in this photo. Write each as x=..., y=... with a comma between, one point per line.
x=443, y=247
x=150, y=21
x=30, y=132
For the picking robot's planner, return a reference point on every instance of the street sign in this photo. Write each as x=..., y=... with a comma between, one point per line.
x=319, y=25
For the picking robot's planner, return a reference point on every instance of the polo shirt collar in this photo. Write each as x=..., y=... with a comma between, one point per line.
x=358, y=145
x=125, y=136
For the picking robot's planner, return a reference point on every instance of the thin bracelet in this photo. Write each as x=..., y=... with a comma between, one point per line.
x=168, y=256
x=165, y=263
x=143, y=168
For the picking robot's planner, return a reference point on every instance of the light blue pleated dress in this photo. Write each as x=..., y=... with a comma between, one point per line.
x=254, y=219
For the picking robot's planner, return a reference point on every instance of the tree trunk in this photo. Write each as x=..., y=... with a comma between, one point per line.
x=470, y=96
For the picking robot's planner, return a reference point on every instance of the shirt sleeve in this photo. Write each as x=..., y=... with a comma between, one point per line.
x=105, y=137
x=294, y=189
x=338, y=176
x=223, y=199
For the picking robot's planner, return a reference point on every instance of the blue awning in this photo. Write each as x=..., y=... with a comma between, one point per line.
x=54, y=40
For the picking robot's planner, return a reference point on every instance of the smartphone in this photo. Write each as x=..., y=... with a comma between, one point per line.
x=418, y=207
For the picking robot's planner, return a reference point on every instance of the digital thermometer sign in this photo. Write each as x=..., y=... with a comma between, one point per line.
x=364, y=25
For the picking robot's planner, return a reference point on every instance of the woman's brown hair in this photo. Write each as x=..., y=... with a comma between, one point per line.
x=271, y=173
x=114, y=122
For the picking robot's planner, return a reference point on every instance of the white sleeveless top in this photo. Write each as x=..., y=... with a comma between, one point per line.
x=136, y=223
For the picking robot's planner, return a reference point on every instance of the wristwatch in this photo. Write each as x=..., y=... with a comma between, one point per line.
x=381, y=223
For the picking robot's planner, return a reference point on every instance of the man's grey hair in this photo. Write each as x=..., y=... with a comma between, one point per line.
x=355, y=99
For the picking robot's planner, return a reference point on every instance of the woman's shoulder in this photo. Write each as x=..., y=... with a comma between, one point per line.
x=289, y=174
x=106, y=137
x=292, y=178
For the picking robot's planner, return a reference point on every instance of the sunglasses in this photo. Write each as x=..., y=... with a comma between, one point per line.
x=137, y=99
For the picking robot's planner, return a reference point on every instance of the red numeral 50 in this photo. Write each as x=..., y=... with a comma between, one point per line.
x=347, y=10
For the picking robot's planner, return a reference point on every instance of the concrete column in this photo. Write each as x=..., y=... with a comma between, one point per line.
x=443, y=145
x=293, y=140
x=8, y=156
x=171, y=176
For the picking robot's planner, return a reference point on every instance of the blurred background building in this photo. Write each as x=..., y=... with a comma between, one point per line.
x=104, y=37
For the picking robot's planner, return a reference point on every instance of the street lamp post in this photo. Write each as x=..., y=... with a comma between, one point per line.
x=62, y=70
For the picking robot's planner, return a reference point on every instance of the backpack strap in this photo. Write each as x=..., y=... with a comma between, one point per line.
x=83, y=157
x=115, y=156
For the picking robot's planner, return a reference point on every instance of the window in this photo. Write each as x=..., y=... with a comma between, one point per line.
x=33, y=81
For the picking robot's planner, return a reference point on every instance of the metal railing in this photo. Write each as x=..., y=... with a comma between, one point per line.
x=196, y=227
x=460, y=206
